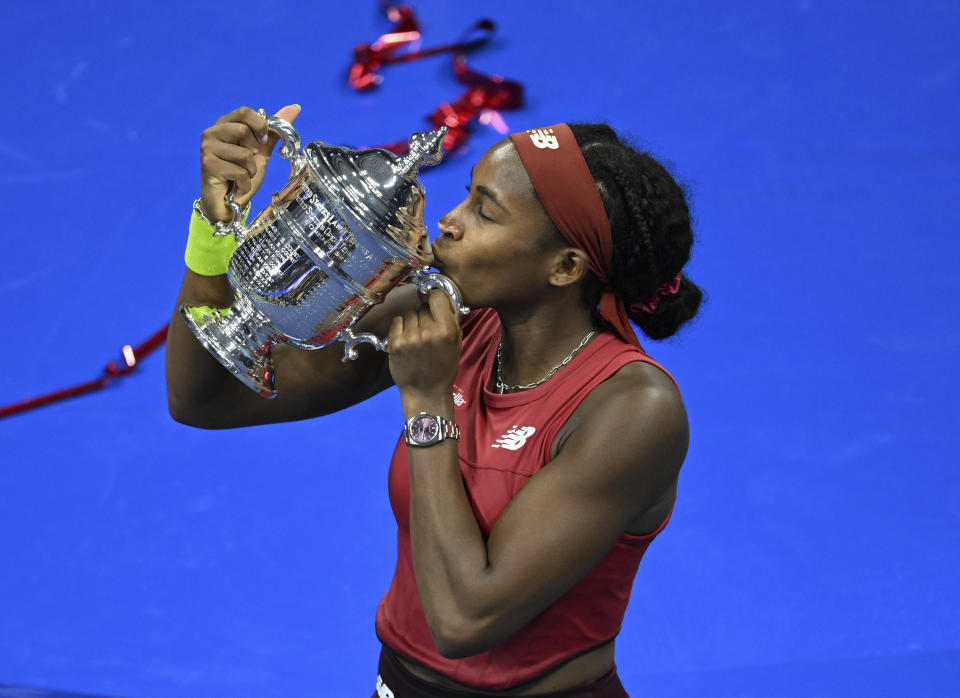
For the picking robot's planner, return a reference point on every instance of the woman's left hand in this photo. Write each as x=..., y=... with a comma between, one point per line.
x=424, y=348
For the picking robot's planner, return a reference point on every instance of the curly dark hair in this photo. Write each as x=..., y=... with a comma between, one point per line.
x=650, y=224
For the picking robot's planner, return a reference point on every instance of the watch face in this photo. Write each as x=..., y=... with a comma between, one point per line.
x=424, y=428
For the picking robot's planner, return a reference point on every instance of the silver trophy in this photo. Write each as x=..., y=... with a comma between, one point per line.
x=346, y=229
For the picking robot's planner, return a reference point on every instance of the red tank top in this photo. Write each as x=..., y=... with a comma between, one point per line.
x=504, y=440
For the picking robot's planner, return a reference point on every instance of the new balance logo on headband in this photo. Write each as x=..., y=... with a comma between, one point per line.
x=543, y=138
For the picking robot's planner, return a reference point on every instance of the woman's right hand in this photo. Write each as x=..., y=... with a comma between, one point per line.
x=233, y=157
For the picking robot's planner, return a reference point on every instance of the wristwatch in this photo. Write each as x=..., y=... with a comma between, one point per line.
x=429, y=429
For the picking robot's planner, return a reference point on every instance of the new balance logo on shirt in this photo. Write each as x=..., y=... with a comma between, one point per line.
x=542, y=138
x=514, y=438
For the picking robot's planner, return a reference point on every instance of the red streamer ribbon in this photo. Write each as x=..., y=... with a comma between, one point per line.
x=113, y=370
x=389, y=48
x=486, y=94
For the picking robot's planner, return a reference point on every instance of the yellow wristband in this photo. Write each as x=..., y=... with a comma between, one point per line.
x=205, y=254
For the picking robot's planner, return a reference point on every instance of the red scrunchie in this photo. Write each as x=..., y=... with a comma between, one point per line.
x=668, y=288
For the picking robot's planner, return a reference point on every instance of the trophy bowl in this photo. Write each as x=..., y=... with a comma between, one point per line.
x=345, y=230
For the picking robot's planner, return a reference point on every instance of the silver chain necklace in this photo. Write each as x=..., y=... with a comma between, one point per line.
x=502, y=386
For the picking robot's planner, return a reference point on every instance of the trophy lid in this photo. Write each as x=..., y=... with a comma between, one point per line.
x=380, y=190
x=426, y=148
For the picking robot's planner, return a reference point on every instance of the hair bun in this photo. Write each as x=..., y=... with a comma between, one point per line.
x=670, y=311
x=649, y=306
x=651, y=227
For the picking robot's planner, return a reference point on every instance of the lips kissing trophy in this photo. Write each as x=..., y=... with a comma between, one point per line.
x=346, y=229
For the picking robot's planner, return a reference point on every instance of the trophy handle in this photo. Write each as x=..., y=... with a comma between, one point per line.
x=289, y=150
x=351, y=339
x=425, y=282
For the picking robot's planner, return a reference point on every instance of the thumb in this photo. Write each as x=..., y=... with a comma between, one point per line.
x=289, y=114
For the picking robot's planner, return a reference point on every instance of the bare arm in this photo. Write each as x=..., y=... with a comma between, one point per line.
x=200, y=392
x=624, y=450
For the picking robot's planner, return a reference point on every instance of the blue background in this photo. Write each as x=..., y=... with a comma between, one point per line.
x=815, y=545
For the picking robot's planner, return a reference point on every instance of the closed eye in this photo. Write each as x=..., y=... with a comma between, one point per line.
x=480, y=209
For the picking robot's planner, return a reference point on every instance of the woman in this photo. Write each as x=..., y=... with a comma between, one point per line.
x=512, y=577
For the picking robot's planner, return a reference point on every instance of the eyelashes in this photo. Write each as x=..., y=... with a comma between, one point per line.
x=480, y=209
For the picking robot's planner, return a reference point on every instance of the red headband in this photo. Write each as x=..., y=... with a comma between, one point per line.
x=552, y=158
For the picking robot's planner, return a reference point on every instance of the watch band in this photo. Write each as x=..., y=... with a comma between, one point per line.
x=445, y=429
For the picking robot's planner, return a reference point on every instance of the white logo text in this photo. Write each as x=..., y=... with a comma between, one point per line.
x=382, y=690
x=542, y=138
x=514, y=438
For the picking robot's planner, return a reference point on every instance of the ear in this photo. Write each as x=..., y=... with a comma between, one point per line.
x=568, y=266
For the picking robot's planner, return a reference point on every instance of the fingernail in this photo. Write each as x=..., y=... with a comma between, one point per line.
x=265, y=137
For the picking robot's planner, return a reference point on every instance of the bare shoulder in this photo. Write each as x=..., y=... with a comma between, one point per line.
x=640, y=399
x=643, y=376
x=633, y=432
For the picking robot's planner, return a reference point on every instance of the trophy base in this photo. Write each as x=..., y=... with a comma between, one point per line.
x=240, y=338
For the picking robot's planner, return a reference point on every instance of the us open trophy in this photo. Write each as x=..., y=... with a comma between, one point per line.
x=346, y=229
